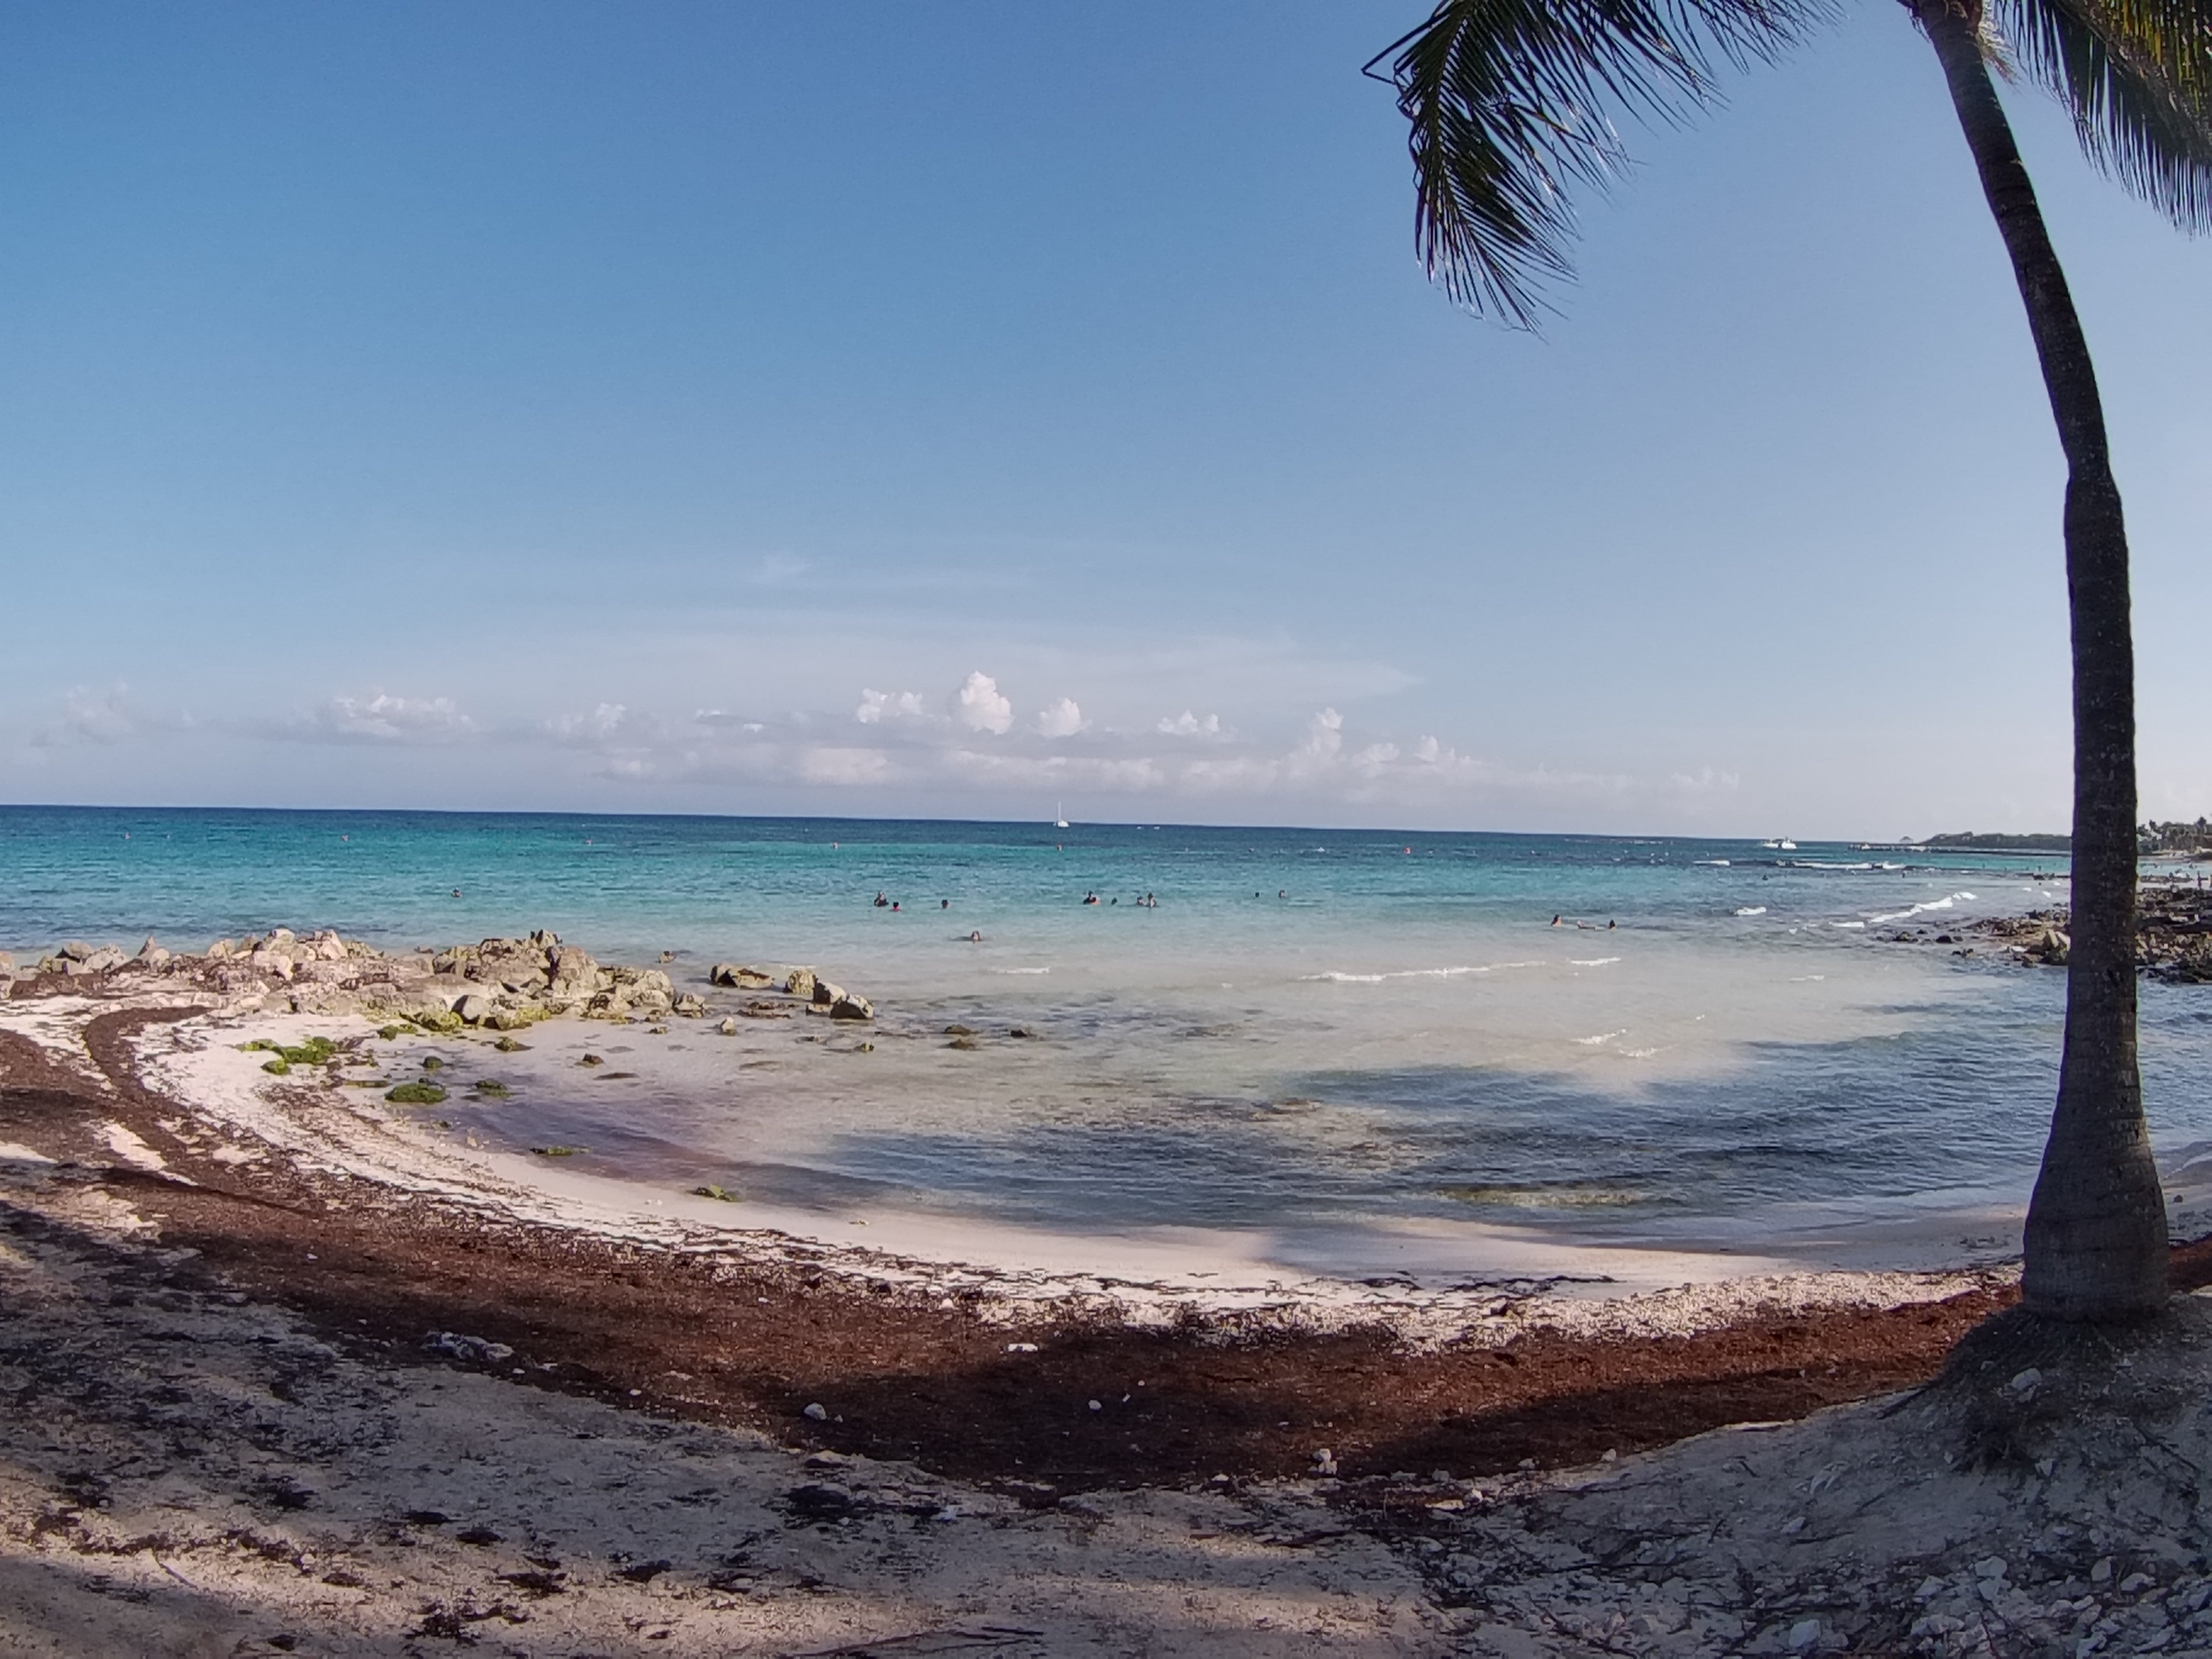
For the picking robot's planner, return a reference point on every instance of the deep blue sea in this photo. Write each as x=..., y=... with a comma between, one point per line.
x=1311, y=1026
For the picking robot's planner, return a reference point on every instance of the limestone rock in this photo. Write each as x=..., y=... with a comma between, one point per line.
x=849, y=1006
x=825, y=993
x=801, y=982
x=104, y=958
x=573, y=971
x=474, y=1008
x=265, y=960
x=690, y=1006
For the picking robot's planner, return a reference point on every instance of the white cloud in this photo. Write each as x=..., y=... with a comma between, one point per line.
x=980, y=707
x=877, y=707
x=607, y=722
x=88, y=719
x=386, y=719
x=1324, y=738
x=1187, y=724
x=1062, y=718
x=844, y=767
x=1705, y=781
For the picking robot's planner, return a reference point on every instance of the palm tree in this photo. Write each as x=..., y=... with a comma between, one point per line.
x=1509, y=104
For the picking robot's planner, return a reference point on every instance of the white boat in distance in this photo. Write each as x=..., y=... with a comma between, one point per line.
x=1784, y=844
x=1058, y=816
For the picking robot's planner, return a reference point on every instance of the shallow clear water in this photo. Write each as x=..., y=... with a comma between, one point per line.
x=1311, y=1027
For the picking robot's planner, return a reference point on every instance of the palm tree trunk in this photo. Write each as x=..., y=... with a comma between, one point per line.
x=2096, y=1227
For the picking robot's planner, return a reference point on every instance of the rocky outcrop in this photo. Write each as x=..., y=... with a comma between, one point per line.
x=495, y=984
x=2174, y=932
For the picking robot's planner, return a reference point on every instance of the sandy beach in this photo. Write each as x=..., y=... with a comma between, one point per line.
x=297, y=1367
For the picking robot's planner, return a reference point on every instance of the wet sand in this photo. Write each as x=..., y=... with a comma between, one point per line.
x=338, y=1384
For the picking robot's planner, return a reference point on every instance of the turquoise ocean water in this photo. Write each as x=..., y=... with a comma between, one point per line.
x=1312, y=1026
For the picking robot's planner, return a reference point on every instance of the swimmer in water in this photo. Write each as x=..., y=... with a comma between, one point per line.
x=1555, y=921
x=881, y=902
x=1090, y=898
x=977, y=937
x=457, y=892
x=944, y=904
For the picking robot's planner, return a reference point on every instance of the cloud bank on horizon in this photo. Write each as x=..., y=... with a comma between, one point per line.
x=971, y=743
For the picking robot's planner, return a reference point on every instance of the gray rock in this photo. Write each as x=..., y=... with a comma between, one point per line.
x=76, y=950
x=690, y=1006
x=825, y=993
x=739, y=978
x=573, y=971
x=728, y=1027
x=474, y=1349
x=849, y=1006
x=474, y=1007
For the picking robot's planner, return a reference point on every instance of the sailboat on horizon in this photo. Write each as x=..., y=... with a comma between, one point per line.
x=1058, y=816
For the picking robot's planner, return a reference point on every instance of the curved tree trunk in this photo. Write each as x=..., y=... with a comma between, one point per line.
x=2096, y=1227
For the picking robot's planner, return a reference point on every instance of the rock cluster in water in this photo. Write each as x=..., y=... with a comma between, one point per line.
x=499, y=984
x=2174, y=932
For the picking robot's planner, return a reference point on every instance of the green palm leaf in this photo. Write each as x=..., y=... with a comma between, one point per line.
x=2136, y=75
x=1510, y=101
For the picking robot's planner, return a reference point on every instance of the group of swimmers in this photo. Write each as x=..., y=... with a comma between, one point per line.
x=1150, y=902
x=1587, y=926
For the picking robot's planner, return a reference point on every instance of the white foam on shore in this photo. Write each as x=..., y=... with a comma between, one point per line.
x=1752, y=910
x=1592, y=961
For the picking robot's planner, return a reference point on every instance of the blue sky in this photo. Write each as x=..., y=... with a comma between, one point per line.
x=963, y=409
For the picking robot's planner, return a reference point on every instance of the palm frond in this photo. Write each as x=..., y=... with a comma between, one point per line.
x=2136, y=75
x=1511, y=102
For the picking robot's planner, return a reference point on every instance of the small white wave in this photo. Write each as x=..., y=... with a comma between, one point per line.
x=1918, y=909
x=1752, y=910
x=1717, y=864
x=1826, y=863
x=1637, y=1054
x=1602, y=1037
x=1851, y=924
x=1021, y=970
x=1806, y=979
x=1594, y=961
x=1335, y=978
